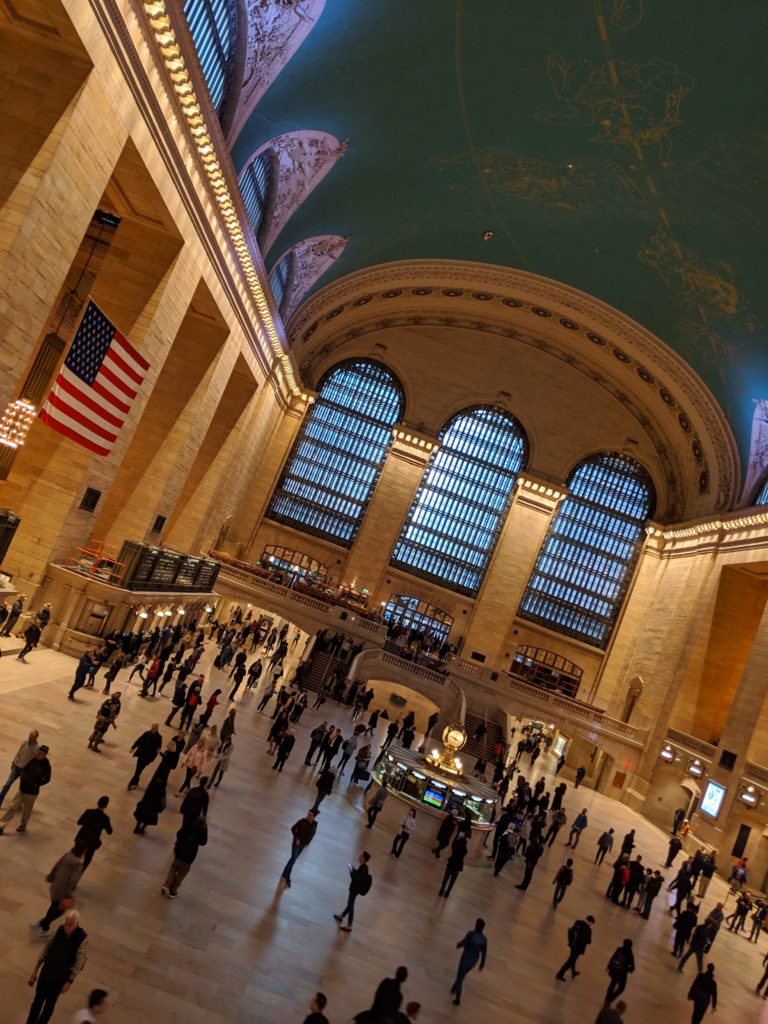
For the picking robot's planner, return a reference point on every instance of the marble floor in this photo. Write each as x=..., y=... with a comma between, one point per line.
x=236, y=946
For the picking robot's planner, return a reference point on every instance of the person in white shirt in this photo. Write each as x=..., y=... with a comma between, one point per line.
x=97, y=1005
x=402, y=837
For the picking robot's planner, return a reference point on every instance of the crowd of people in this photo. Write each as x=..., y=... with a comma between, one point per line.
x=529, y=818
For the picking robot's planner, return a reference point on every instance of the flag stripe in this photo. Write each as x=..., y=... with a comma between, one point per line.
x=77, y=397
x=122, y=370
x=117, y=407
x=74, y=435
x=100, y=388
x=130, y=352
x=106, y=373
x=74, y=414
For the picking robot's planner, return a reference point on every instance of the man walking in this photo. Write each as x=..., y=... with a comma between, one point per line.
x=454, y=865
x=31, y=639
x=652, y=889
x=532, y=857
x=23, y=756
x=580, y=822
x=675, y=846
x=34, y=775
x=579, y=937
x=376, y=804
x=145, y=749
x=185, y=850
x=604, y=845
x=702, y=992
x=92, y=823
x=284, y=749
x=359, y=885
x=303, y=832
x=561, y=881
x=620, y=966
x=474, y=947
x=57, y=967
x=324, y=786
x=62, y=879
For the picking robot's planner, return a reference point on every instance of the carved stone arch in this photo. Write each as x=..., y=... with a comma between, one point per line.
x=311, y=258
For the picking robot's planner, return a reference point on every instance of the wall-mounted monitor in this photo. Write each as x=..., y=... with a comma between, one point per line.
x=712, y=800
x=433, y=796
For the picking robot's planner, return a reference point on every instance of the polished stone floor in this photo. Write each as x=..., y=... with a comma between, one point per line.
x=236, y=946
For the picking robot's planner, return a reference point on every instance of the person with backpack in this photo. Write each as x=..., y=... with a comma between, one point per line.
x=604, y=845
x=580, y=822
x=579, y=937
x=189, y=839
x=620, y=966
x=561, y=881
x=360, y=882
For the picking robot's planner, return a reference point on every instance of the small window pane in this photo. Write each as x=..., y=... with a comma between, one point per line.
x=460, y=507
x=585, y=565
x=210, y=27
x=255, y=183
x=762, y=494
x=278, y=279
x=332, y=470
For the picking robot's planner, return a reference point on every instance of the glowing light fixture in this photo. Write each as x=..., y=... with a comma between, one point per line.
x=15, y=423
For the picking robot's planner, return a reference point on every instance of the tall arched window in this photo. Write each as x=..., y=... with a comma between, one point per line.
x=585, y=565
x=278, y=279
x=332, y=470
x=762, y=494
x=255, y=181
x=460, y=507
x=211, y=27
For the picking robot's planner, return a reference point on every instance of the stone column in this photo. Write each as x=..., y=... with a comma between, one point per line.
x=743, y=718
x=399, y=480
x=533, y=506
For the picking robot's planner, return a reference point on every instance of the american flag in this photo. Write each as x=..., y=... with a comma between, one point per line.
x=96, y=386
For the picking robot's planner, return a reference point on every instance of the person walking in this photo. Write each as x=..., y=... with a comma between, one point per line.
x=238, y=674
x=652, y=889
x=189, y=839
x=761, y=983
x=111, y=674
x=324, y=785
x=348, y=748
x=703, y=993
x=360, y=882
x=474, y=947
x=151, y=804
x=254, y=674
x=191, y=704
x=222, y=765
x=57, y=967
x=31, y=639
x=445, y=831
x=87, y=663
x=505, y=850
x=376, y=804
x=194, y=762
x=13, y=615
x=284, y=748
x=62, y=881
x=683, y=927
x=407, y=826
x=561, y=881
x=35, y=774
x=21, y=759
x=97, y=1005
x=620, y=966
x=178, y=700
x=227, y=731
x=612, y=1014
x=579, y=937
x=92, y=823
x=708, y=868
x=388, y=998
x=317, y=1004
x=532, y=856
x=454, y=865
x=580, y=822
x=696, y=947
x=145, y=749
x=604, y=845
x=302, y=834
x=675, y=846
x=559, y=819
x=266, y=697
x=107, y=715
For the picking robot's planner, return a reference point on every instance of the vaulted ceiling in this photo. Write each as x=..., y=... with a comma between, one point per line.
x=618, y=146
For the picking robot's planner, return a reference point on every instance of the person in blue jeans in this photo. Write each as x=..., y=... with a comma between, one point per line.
x=303, y=832
x=359, y=885
x=474, y=947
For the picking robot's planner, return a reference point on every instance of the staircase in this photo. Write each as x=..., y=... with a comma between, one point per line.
x=323, y=669
x=474, y=749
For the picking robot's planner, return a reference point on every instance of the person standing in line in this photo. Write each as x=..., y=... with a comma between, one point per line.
x=22, y=757
x=532, y=857
x=359, y=885
x=580, y=822
x=604, y=845
x=13, y=615
x=145, y=749
x=34, y=775
x=474, y=947
x=620, y=966
x=407, y=826
x=62, y=880
x=185, y=850
x=97, y=1006
x=454, y=865
x=92, y=823
x=579, y=937
x=702, y=993
x=31, y=639
x=57, y=967
x=316, y=1006
x=561, y=881
x=324, y=785
x=302, y=834
x=376, y=804
x=284, y=748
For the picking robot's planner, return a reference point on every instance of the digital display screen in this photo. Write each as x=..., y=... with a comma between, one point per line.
x=712, y=800
x=433, y=797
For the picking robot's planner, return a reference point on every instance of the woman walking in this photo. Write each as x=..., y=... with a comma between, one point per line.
x=406, y=828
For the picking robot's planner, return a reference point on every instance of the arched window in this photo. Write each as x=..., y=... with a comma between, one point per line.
x=211, y=27
x=406, y=613
x=585, y=565
x=255, y=181
x=278, y=279
x=460, y=507
x=762, y=494
x=332, y=470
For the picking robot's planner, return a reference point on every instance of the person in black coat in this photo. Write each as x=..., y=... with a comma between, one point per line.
x=532, y=857
x=145, y=749
x=683, y=928
x=702, y=992
x=359, y=885
x=284, y=748
x=324, y=786
x=447, y=827
x=387, y=1000
x=579, y=937
x=57, y=967
x=152, y=803
x=455, y=864
x=620, y=966
x=92, y=823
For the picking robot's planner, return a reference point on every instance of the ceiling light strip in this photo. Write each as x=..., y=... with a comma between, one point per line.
x=170, y=51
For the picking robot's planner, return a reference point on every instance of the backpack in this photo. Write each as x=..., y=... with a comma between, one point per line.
x=618, y=962
x=624, y=875
x=365, y=885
